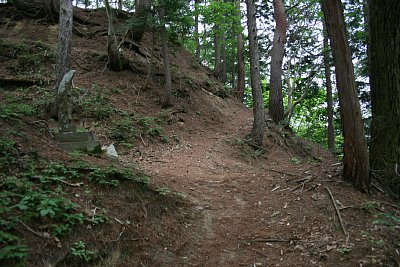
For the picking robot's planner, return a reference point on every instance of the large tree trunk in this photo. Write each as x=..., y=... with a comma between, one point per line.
x=291, y=86
x=385, y=91
x=114, y=58
x=329, y=98
x=196, y=30
x=166, y=98
x=223, y=59
x=356, y=162
x=276, y=109
x=64, y=40
x=241, y=83
x=142, y=8
x=258, y=102
x=241, y=66
x=217, y=52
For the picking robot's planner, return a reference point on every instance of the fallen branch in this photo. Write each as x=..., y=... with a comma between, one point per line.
x=308, y=178
x=69, y=184
x=390, y=205
x=337, y=210
x=271, y=240
x=43, y=235
x=21, y=80
x=280, y=172
x=259, y=252
x=378, y=188
x=348, y=207
x=300, y=185
x=62, y=181
x=275, y=188
x=143, y=206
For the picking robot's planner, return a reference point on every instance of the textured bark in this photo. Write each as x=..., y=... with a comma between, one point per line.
x=385, y=91
x=291, y=86
x=276, y=109
x=233, y=70
x=241, y=85
x=258, y=103
x=166, y=98
x=142, y=8
x=356, y=162
x=329, y=98
x=217, y=53
x=64, y=40
x=196, y=31
x=241, y=66
x=223, y=59
x=114, y=58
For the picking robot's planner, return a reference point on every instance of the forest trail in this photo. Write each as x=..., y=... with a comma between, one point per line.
x=251, y=216
x=242, y=207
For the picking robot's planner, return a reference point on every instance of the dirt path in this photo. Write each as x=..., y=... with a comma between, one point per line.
x=243, y=202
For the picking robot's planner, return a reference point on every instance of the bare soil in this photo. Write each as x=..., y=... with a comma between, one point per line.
x=227, y=204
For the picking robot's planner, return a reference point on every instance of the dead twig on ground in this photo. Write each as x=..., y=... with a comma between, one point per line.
x=259, y=252
x=308, y=178
x=62, y=181
x=104, y=69
x=390, y=205
x=43, y=235
x=281, y=172
x=143, y=206
x=276, y=188
x=378, y=188
x=337, y=210
x=270, y=240
x=300, y=185
x=348, y=207
x=141, y=138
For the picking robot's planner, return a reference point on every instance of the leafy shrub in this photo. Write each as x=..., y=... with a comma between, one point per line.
x=16, y=110
x=80, y=251
x=95, y=104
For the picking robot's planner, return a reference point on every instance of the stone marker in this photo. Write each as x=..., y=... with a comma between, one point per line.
x=64, y=105
x=68, y=138
x=111, y=151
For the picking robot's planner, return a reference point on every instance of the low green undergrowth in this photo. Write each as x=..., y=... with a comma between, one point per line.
x=37, y=195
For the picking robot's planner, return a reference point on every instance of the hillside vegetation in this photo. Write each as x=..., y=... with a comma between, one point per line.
x=186, y=190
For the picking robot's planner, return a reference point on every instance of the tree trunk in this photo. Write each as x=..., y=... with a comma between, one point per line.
x=196, y=30
x=291, y=102
x=329, y=98
x=385, y=91
x=356, y=162
x=114, y=58
x=150, y=66
x=217, y=52
x=142, y=8
x=64, y=40
x=119, y=4
x=276, y=109
x=233, y=70
x=241, y=66
x=223, y=59
x=258, y=103
x=166, y=98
